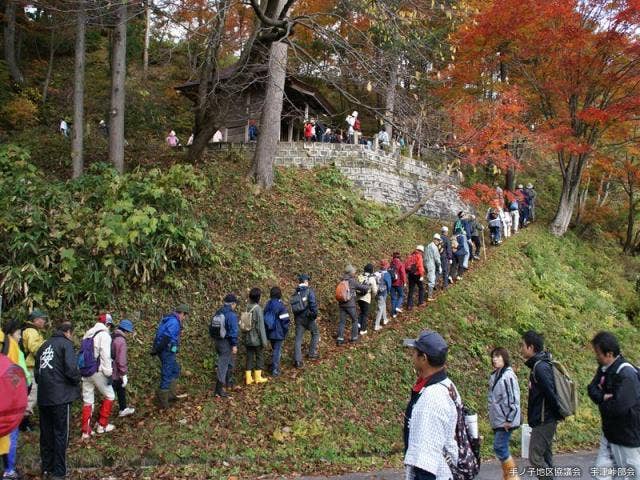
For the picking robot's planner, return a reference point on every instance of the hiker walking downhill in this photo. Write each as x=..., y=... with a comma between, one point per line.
x=58, y=378
x=432, y=264
x=431, y=415
x=166, y=345
x=364, y=299
x=304, y=305
x=346, y=297
x=32, y=340
x=415, y=271
x=119, y=353
x=223, y=329
x=615, y=388
x=255, y=338
x=96, y=369
x=504, y=410
x=276, y=321
x=398, y=282
x=543, y=408
x=384, y=287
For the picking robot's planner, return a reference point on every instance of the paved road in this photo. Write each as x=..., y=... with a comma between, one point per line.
x=491, y=470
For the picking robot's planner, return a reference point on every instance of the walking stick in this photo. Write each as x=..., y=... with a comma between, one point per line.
x=484, y=248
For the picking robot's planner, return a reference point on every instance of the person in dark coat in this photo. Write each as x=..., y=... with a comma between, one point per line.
x=276, y=321
x=58, y=378
x=615, y=388
x=305, y=319
x=446, y=257
x=348, y=308
x=542, y=409
x=226, y=344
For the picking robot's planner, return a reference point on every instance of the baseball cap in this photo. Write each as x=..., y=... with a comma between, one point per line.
x=303, y=277
x=428, y=342
x=37, y=314
x=105, y=318
x=182, y=308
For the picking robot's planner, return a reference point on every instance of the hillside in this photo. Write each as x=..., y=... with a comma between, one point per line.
x=343, y=412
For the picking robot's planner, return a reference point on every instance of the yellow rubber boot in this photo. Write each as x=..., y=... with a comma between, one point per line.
x=257, y=374
x=247, y=377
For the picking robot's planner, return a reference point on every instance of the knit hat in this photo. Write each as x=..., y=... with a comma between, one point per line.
x=37, y=314
x=349, y=269
x=230, y=298
x=421, y=248
x=126, y=325
x=105, y=318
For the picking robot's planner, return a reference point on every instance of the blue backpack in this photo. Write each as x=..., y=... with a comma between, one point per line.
x=270, y=319
x=88, y=364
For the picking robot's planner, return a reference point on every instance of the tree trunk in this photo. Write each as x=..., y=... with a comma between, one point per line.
x=77, y=138
x=571, y=175
x=118, y=77
x=147, y=39
x=47, y=79
x=262, y=170
x=510, y=183
x=390, y=99
x=10, y=41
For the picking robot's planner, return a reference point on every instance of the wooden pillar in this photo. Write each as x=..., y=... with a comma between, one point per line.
x=291, y=130
x=306, y=112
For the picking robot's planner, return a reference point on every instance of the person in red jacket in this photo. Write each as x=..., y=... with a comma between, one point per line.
x=415, y=272
x=398, y=282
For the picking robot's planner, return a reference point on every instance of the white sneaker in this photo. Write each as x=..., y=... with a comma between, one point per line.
x=109, y=428
x=384, y=322
x=394, y=316
x=399, y=310
x=126, y=412
x=377, y=328
x=86, y=436
x=363, y=332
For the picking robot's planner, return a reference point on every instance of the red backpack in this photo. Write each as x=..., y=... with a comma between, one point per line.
x=13, y=392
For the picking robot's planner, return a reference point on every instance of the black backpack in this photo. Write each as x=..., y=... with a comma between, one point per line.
x=299, y=302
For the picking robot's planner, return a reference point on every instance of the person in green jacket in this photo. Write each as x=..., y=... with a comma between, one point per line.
x=255, y=340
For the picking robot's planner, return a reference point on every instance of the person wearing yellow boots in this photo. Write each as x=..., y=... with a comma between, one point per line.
x=504, y=410
x=255, y=338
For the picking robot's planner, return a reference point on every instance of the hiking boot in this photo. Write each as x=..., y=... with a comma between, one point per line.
x=339, y=341
x=219, y=391
x=126, y=412
x=248, y=379
x=258, y=378
x=355, y=340
x=314, y=356
x=275, y=372
x=297, y=364
x=173, y=396
x=163, y=398
x=106, y=429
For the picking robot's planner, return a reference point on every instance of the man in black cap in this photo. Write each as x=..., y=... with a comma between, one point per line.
x=224, y=332
x=431, y=415
x=305, y=312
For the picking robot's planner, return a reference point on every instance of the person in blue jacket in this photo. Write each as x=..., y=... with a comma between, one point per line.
x=226, y=342
x=305, y=319
x=166, y=345
x=276, y=321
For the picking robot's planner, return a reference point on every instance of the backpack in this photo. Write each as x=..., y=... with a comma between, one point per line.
x=217, y=327
x=382, y=285
x=299, y=303
x=88, y=364
x=13, y=391
x=565, y=388
x=393, y=271
x=468, y=464
x=246, y=320
x=343, y=292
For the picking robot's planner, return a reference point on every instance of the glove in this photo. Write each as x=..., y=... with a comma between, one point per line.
x=174, y=348
x=125, y=380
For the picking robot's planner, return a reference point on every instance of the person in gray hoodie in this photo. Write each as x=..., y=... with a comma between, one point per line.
x=504, y=410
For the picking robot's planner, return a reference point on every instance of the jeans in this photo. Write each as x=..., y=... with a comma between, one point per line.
x=397, y=296
x=11, y=457
x=540, y=447
x=495, y=234
x=276, y=346
x=302, y=325
x=381, y=314
x=226, y=360
x=363, y=318
x=169, y=369
x=344, y=312
x=444, y=261
x=501, y=444
x=414, y=280
x=458, y=266
x=121, y=393
x=611, y=455
x=255, y=358
x=54, y=438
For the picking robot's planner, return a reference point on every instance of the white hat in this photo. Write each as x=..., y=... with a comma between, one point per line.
x=529, y=185
x=444, y=229
x=421, y=248
x=172, y=132
x=354, y=114
x=520, y=186
x=437, y=236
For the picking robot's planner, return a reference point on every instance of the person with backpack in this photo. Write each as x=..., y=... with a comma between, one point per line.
x=223, y=329
x=32, y=340
x=507, y=223
x=615, y=389
x=398, y=281
x=346, y=297
x=255, y=338
x=364, y=299
x=446, y=256
x=121, y=365
x=514, y=211
x=431, y=415
x=13, y=398
x=476, y=233
x=95, y=364
x=543, y=407
x=166, y=345
x=504, y=409
x=460, y=254
x=58, y=378
x=531, y=195
x=384, y=287
x=12, y=329
x=495, y=225
x=304, y=305
x=414, y=266
x=276, y=322
x=432, y=264
x=523, y=204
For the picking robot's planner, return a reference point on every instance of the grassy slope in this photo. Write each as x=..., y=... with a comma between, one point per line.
x=345, y=412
